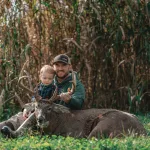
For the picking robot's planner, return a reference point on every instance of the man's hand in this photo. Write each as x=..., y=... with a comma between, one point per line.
x=66, y=97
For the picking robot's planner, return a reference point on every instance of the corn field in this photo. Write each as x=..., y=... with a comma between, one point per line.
x=108, y=42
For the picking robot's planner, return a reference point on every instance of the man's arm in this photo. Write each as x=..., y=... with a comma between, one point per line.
x=75, y=100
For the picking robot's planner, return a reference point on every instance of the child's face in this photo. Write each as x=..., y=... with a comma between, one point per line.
x=46, y=78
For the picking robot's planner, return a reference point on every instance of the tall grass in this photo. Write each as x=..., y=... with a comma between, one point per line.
x=108, y=42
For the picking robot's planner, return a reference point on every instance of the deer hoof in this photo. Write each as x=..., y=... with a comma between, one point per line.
x=6, y=131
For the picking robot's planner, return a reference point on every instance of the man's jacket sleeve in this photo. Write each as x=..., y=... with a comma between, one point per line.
x=78, y=97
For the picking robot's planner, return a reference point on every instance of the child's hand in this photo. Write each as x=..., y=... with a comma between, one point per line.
x=28, y=109
x=26, y=113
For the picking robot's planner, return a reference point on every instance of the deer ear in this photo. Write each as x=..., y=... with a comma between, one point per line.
x=60, y=108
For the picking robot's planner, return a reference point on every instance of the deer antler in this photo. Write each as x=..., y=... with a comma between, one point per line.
x=54, y=95
x=74, y=82
x=35, y=93
x=53, y=98
x=22, y=70
x=23, y=86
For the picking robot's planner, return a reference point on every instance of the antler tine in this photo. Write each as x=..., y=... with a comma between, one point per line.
x=22, y=70
x=74, y=81
x=36, y=94
x=54, y=95
x=29, y=79
x=23, y=86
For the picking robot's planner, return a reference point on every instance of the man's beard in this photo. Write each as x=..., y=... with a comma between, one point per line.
x=63, y=77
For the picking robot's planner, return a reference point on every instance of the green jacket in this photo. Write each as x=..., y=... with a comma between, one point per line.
x=78, y=96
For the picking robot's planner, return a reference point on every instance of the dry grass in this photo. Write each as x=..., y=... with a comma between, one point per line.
x=108, y=43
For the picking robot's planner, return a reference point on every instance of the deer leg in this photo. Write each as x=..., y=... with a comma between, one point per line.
x=29, y=122
x=6, y=123
x=103, y=129
x=14, y=122
x=117, y=124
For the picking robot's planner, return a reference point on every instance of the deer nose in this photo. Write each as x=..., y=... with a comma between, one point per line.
x=40, y=119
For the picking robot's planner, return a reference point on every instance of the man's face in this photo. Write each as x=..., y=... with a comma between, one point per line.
x=61, y=69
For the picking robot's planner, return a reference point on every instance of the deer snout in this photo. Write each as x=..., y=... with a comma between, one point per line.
x=40, y=119
x=41, y=122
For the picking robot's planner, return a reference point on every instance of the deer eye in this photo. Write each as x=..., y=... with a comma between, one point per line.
x=49, y=108
x=36, y=106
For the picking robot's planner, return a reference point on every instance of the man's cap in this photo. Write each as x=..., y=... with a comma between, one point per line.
x=62, y=58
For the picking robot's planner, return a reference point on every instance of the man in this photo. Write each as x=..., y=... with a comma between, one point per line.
x=62, y=66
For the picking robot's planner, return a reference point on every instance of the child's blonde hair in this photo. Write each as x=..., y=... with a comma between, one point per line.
x=48, y=69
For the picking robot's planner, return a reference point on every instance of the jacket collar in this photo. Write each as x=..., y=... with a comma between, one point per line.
x=46, y=86
x=69, y=78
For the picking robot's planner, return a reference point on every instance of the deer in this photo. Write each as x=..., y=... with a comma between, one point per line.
x=56, y=119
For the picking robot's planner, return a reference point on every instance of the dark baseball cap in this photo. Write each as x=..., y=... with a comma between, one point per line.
x=62, y=58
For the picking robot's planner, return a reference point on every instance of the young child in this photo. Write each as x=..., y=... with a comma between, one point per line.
x=46, y=86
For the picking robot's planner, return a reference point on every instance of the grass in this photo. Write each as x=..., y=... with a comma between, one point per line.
x=69, y=143
x=38, y=142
